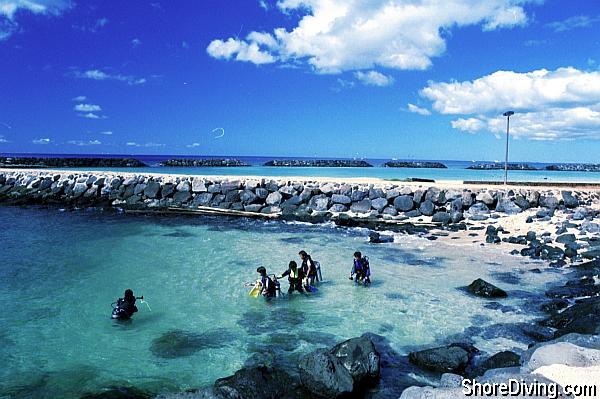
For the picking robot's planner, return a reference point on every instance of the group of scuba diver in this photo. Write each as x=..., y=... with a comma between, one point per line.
x=302, y=278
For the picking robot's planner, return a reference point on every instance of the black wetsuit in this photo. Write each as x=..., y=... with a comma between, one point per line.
x=295, y=279
x=269, y=285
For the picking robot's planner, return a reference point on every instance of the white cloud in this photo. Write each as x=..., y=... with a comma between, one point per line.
x=84, y=143
x=521, y=91
x=578, y=21
x=96, y=74
x=134, y=144
x=563, y=104
x=193, y=145
x=9, y=10
x=264, y=5
x=338, y=35
x=107, y=133
x=418, y=110
x=239, y=50
x=136, y=42
x=41, y=141
x=79, y=98
x=2, y=139
x=374, y=78
x=91, y=115
x=87, y=108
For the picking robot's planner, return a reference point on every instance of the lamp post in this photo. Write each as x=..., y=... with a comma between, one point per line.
x=508, y=114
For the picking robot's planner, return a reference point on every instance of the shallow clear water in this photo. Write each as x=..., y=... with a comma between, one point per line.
x=61, y=270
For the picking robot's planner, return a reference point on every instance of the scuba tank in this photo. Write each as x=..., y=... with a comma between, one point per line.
x=318, y=267
x=123, y=310
x=277, y=287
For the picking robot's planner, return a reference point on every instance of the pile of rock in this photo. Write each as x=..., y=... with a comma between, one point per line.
x=496, y=166
x=299, y=200
x=575, y=167
x=323, y=163
x=203, y=163
x=39, y=162
x=414, y=164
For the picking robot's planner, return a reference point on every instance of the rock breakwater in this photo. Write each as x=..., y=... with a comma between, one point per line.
x=414, y=164
x=320, y=163
x=39, y=162
x=203, y=163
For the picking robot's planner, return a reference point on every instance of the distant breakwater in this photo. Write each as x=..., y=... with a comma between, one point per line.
x=203, y=163
x=39, y=162
x=292, y=200
x=414, y=164
x=327, y=163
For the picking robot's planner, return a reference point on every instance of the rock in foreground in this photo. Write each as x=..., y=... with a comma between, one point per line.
x=484, y=289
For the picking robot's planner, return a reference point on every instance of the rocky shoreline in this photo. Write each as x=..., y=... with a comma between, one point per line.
x=319, y=163
x=414, y=164
x=203, y=163
x=37, y=162
x=560, y=227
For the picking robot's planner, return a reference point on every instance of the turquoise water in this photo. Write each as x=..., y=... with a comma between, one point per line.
x=61, y=270
x=454, y=172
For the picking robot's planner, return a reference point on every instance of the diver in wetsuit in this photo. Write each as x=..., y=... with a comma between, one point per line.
x=295, y=277
x=125, y=307
x=268, y=287
x=361, y=269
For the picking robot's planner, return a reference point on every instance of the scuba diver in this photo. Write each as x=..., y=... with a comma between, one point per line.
x=309, y=268
x=125, y=307
x=268, y=287
x=361, y=269
x=295, y=277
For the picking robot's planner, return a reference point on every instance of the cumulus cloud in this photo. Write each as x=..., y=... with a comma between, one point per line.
x=563, y=104
x=107, y=133
x=193, y=145
x=87, y=108
x=91, y=115
x=96, y=74
x=79, y=98
x=374, y=78
x=340, y=35
x=84, y=142
x=10, y=9
x=2, y=139
x=418, y=110
x=41, y=141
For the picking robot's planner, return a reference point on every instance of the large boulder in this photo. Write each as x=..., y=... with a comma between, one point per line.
x=258, y=382
x=445, y=359
x=319, y=203
x=549, y=201
x=341, y=199
x=152, y=189
x=404, y=203
x=484, y=289
x=274, y=198
x=583, y=317
x=379, y=203
x=486, y=198
x=345, y=369
x=441, y=217
x=505, y=205
x=198, y=185
x=363, y=206
x=427, y=208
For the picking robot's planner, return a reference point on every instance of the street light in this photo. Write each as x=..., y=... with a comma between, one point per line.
x=508, y=114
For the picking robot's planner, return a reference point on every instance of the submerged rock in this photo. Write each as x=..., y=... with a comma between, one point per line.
x=452, y=358
x=484, y=289
x=179, y=343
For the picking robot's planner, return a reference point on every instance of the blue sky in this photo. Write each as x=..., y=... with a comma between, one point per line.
x=337, y=78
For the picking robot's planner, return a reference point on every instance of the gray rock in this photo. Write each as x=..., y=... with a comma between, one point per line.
x=505, y=205
x=341, y=199
x=522, y=202
x=233, y=196
x=182, y=196
x=338, y=208
x=248, y=197
x=441, y=217
x=391, y=194
x=305, y=194
x=569, y=200
x=79, y=189
x=549, y=201
x=377, y=238
x=456, y=217
x=484, y=289
x=262, y=193
x=379, y=203
x=443, y=359
x=456, y=205
x=293, y=201
x=253, y=208
x=214, y=188
x=533, y=197
x=376, y=193
x=363, y=206
x=327, y=188
x=565, y=238
x=152, y=189
x=435, y=195
x=319, y=203
x=358, y=195
x=418, y=196
x=324, y=375
x=203, y=199
x=198, y=185
x=227, y=186
x=404, y=203
x=274, y=198
x=390, y=210
x=287, y=191
x=184, y=186
x=427, y=208
x=139, y=188
x=167, y=190
x=486, y=198
x=467, y=199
